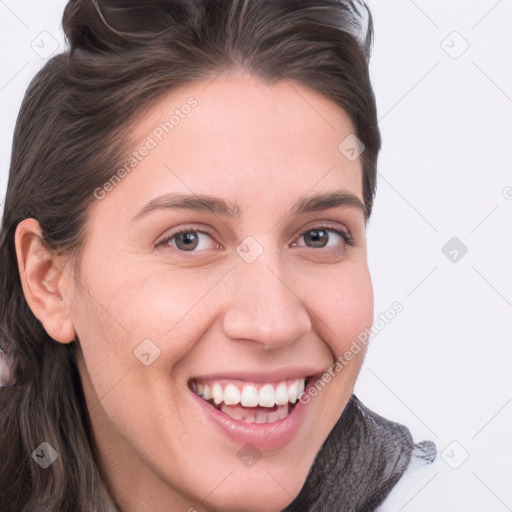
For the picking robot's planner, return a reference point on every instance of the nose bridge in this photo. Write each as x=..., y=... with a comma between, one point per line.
x=264, y=308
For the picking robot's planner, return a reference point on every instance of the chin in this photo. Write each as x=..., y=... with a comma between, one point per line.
x=259, y=495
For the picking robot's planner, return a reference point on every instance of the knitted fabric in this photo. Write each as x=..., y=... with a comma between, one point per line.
x=361, y=460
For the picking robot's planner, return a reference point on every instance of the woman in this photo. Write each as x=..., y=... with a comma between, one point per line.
x=185, y=273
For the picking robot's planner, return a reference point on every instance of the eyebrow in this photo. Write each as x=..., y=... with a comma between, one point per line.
x=218, y=206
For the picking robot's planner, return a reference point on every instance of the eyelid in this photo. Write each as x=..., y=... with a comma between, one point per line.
x=166, y=238
x=327, y=226
x=324, y=224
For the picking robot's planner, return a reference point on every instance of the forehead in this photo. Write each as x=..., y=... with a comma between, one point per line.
x=255, y=144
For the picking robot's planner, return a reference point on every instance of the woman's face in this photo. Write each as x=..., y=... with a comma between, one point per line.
x=261, y=294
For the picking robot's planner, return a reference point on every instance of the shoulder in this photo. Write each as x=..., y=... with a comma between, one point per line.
x=422, y=467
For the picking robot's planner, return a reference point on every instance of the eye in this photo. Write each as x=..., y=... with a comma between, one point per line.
x=193, y=240
x=187, y=240
x=319, y=237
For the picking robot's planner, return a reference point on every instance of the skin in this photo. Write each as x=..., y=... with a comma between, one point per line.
x=259, y=146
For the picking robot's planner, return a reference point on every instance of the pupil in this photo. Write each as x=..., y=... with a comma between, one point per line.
x=316, y=238
x=188, y=238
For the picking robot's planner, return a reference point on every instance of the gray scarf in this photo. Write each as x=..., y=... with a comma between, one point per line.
x=359, y=463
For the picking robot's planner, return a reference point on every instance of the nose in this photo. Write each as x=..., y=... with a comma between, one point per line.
x=263, y=307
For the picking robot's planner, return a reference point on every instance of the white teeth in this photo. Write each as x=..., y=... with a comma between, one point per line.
x=293, y=392
x=266, y=396
x=302, y=385
x=281, y=394
x=250, y=416
x=218, y=394
x=249, y=396
x=273, y=417
x=269, y=395
x=207, y=394
x=231, y=395
x=282, y=412
x=261, y=417
x=230, y=412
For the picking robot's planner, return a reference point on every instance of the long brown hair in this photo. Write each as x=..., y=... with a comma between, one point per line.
x=73, y=132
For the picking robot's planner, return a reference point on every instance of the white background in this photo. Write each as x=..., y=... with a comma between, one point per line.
x=443, y=365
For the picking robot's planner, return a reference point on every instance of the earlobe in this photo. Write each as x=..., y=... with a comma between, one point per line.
x=43, y=279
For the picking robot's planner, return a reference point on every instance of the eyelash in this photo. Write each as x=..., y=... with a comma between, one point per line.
x=344, y=235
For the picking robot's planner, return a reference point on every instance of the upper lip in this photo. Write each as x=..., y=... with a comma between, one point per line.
x=276, y=375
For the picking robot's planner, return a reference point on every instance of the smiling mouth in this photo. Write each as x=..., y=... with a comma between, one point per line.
x=251, y=402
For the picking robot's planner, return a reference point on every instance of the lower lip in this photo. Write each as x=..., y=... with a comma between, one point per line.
x=264, y=436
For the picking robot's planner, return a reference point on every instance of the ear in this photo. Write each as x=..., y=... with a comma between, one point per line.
x=43, y=279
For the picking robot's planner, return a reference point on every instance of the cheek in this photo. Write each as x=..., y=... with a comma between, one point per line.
x=354, y=311
x=127, y=306
x=343, y=300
